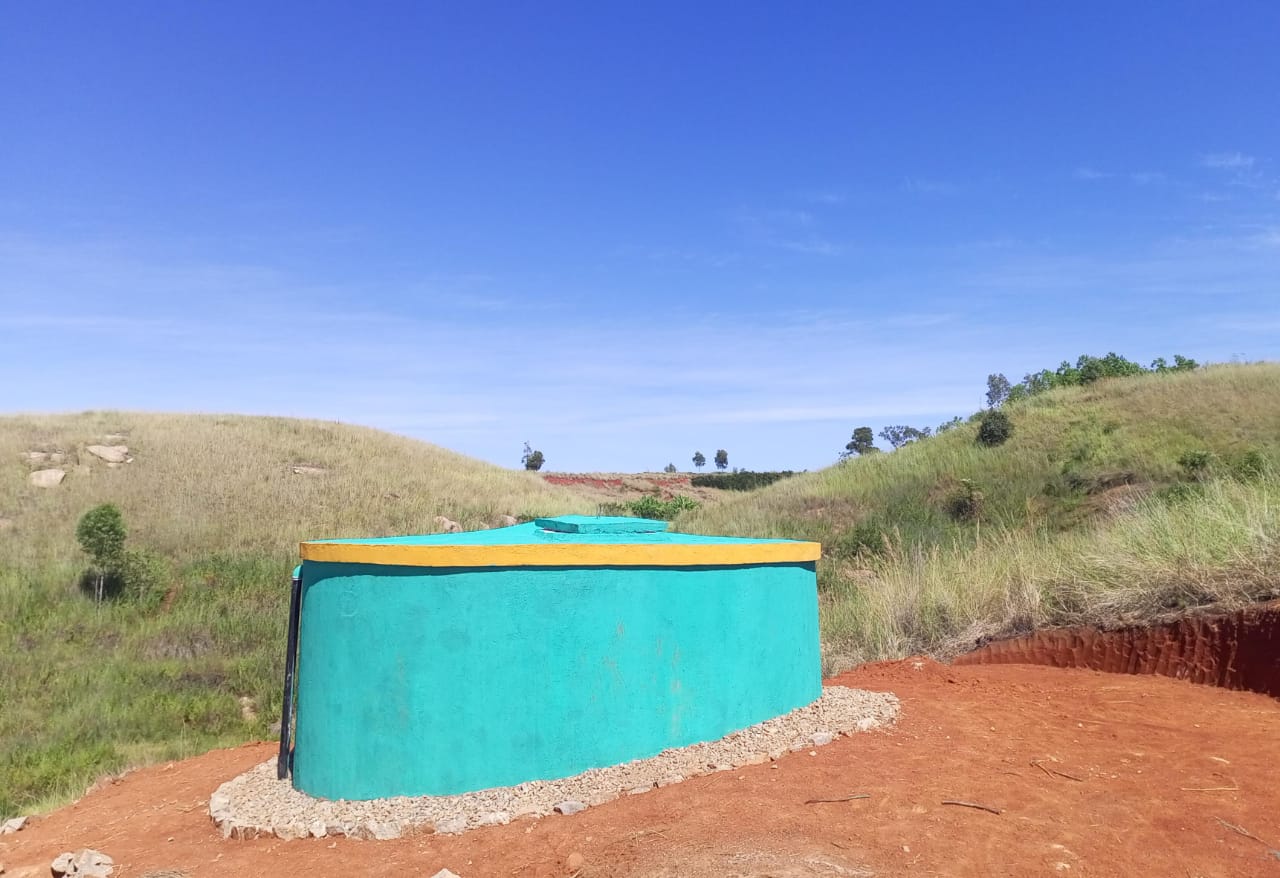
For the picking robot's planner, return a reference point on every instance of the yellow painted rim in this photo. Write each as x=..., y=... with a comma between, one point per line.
x=563, y=555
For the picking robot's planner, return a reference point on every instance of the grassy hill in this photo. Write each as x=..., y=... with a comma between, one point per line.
x=231, y=484
x=216, y=506
x=1119, y=500
x=1113, y=501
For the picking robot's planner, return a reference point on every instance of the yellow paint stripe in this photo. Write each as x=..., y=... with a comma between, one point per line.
x=563, y=555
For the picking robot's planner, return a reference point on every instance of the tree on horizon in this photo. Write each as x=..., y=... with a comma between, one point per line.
x=863, y=441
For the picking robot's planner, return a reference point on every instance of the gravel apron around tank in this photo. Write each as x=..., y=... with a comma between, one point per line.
x=256, y=803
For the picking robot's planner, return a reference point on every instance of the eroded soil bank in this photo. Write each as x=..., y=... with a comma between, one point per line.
x=1239, y=650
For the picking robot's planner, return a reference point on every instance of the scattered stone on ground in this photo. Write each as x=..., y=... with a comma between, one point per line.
x=47, y=478
x=13, y=824
x=447, y=525
x=87, y=862
x=574, y=861
x=110, y=453
x=308, y=470
x=256, y=803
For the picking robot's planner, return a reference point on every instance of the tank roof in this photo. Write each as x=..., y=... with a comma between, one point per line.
x=567, y=540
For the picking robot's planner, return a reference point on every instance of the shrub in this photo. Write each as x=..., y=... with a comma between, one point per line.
x=144, y=577
x=1197, y=464
x=994, y=429
x=651, y=506
x=965, y=502
x=743, y=480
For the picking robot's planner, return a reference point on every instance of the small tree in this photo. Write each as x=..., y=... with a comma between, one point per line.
x=900, y=435
x=863, y=441
x=101, y=533
x=998, y=388
x=994, y=428
x=722, y=460
x=699, y=459
x=531, y=459
x=669, y=468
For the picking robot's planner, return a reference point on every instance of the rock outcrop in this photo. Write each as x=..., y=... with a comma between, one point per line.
x=47, y=478
x=110, y=453
x=87, y=862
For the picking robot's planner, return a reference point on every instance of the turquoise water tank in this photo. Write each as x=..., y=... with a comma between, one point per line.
x=441, y=664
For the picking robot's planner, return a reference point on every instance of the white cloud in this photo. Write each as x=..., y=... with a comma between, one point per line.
x=1091, y=174
x=1230, y=161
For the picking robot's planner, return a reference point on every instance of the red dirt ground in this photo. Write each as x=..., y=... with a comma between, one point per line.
x=1095, y=774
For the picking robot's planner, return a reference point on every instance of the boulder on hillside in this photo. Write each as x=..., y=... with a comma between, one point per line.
x=110, y=453
x=507, y=521
x=447, y=525
x=47, y=478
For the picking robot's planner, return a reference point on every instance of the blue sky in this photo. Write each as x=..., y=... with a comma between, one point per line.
x=626, y=233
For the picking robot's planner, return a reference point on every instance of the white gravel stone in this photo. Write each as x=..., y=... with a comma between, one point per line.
x=257, y=803
x=452, y=825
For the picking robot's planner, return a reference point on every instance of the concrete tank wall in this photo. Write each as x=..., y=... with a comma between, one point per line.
x=433, y=681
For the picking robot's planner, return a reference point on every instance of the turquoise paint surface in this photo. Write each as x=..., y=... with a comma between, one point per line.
x=601, y=524
x=531, y=534
x=432, y=681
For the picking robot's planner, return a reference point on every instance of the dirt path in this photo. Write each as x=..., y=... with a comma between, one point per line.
x=1096, y=774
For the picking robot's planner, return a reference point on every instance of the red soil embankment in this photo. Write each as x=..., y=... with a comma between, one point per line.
x=1239, y=650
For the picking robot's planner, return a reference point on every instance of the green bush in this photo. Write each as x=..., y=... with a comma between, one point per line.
x=995, y=428
x=965, y=502
x=651, y=506
x=1197, y=464
x=145, y=577
x=743, y=480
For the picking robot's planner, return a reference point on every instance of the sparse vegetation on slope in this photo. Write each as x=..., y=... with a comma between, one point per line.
x=1088, y=512
x=231, y=484
x=215, y=507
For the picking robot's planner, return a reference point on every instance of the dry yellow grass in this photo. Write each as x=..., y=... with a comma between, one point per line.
x=226, y=484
